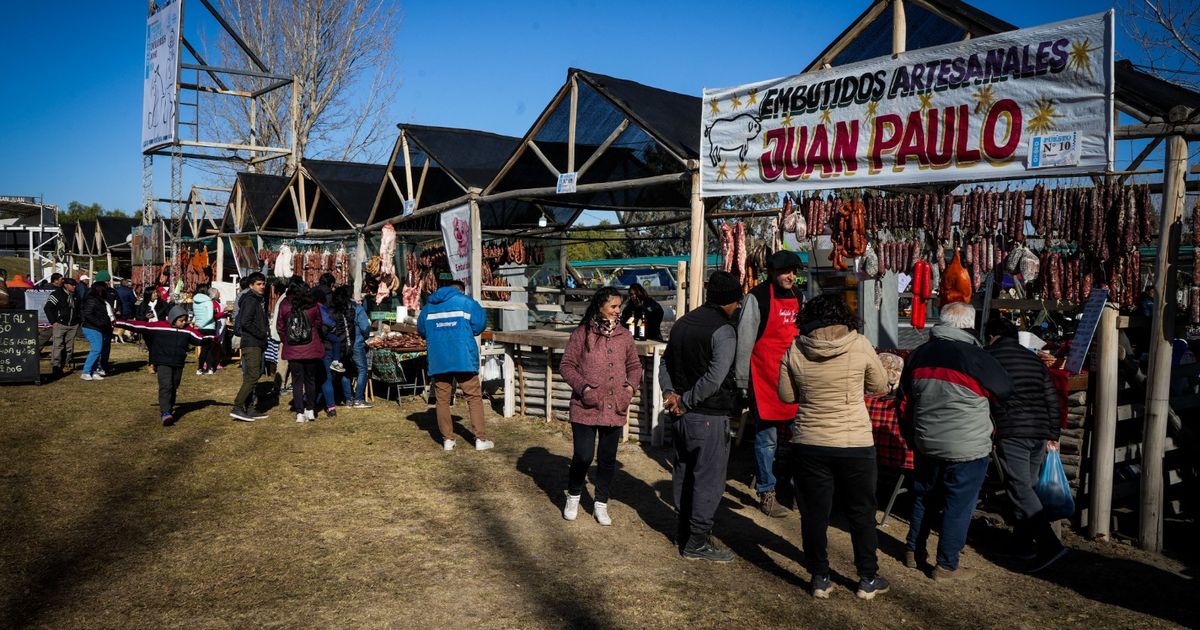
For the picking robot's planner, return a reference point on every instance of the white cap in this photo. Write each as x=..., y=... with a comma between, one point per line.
x=85, y=278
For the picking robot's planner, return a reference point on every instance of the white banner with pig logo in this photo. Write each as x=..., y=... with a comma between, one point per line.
x=1035, y=102
x=456, y=232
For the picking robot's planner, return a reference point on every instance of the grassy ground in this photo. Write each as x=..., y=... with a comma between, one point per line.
x=110, y=520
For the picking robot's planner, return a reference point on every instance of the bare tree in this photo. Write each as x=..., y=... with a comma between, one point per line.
x=1168, y=32
x=339, y=51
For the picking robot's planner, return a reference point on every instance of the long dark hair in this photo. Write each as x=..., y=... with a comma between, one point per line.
x=637, y=293
x=301, y=297
x=592, y=314
x=340, y=301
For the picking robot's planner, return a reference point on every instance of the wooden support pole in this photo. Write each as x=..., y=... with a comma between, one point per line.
x=549, y=383
x=509, y=383
x=899, y=28
x=696, y=270
x=1162, y=332
x=562, y=272
x=1104, y=429
x=476, y=247
x=111, y=271
x=680, y=294
x=221, y=259
x=571, y=124
x=360, y=259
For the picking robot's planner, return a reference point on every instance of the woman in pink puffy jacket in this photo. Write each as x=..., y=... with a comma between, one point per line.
x=602, y=367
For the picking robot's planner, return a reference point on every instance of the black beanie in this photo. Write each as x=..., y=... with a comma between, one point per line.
x=783, y=259
x=723, y=289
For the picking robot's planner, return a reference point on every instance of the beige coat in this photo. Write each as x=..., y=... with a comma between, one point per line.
x=827, y=373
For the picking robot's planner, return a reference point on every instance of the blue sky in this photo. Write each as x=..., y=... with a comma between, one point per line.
x=71, y=89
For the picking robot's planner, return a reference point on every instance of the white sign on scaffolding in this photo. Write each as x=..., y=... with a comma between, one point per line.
x=968, y=111
x=159, y=80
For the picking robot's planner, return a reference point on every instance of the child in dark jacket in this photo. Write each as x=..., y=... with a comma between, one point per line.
x=169, y=342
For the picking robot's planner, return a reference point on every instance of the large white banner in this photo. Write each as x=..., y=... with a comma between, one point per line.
x=159, y=78
x=456, y=232
x=1035, y=102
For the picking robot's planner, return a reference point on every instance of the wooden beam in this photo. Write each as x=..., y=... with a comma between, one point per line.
x=1104, y=430
x=476, y=247
x=421, y=183
x=542, y=156
x=899, y=28
x=612, y=137
x=396, y=186
x=312, y=212
x=697, y=259
x=1141, y=157
x=1154, y=130
x=533, y=132
x=383, y=184
x=874, y=12
x=531, y=193
x=407, y=164
x=571, y=124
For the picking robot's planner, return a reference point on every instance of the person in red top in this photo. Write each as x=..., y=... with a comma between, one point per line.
x=602, y=367
x=766, y=329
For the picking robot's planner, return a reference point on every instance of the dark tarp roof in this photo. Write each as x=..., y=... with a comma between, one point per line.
x=951, y=20
x=348, y=192
x=115, y=230
x=664, y=130
x=472, y=158
x=67, y=234
x=260, y=191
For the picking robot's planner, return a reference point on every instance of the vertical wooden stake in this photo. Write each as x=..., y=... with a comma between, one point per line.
x=680, y=293
x=1104, y=431
x=509, y=395
x=571, y=124
x=899, y=28
x=221, y=260
x=697, y=260
x=1162, y=332
x=549, y=383
x=476, y=247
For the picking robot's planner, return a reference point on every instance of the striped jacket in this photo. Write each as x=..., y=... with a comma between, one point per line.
x=945, y=394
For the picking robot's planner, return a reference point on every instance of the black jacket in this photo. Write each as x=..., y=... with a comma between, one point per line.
x=62, y=308
x=699, y=361
x=168, y=345
x=95, y=313
x=160, y=307
x=1033, y=409
x=251, y=322
x=649, y=311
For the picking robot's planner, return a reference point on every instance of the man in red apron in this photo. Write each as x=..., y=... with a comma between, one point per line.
x=766, y=329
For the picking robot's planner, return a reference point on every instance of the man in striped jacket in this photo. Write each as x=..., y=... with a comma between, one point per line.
x=946, y=392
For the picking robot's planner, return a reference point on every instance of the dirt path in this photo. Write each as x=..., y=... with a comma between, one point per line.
x=362, y=521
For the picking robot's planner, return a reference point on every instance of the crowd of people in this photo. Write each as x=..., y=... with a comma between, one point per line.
x=802, y=369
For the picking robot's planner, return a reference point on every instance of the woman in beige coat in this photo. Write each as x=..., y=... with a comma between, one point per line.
x=827, y=371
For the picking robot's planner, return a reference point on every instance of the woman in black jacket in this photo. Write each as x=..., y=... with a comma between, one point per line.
x=97, y=328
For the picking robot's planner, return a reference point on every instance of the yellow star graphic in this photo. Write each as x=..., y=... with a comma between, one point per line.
x=713, y=107
x=741, y=173
x=722, y=172
x=872, y=109
x=753, y=97
x=926, y=102
x=983, y=98
x=1044, y=116
x=787, y=120
x=735, y=102
x=825, y=113
x=1080, y=56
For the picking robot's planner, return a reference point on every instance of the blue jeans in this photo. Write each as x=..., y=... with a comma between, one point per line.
x=333, y=352
x=95, y=340
x=952, y=486
x=766, y=435
x=364, y=374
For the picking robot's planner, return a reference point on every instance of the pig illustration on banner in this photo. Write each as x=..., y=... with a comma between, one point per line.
x=741, y=128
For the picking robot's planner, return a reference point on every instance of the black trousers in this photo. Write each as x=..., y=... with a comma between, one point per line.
x=169, y=378
x=852, y=481
x=1021, y=460
x=698, y=479
x=584, y=437
x=307, y=377
x=205, y=361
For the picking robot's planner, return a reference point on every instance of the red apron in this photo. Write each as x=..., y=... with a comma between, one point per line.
x=767, y=356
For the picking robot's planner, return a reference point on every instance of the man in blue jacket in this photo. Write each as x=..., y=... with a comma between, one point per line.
x=450, y=322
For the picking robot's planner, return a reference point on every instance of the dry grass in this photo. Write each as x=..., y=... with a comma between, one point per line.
x=109, y=520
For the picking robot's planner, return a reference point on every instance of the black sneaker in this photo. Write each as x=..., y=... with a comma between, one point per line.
x=241, y=414
x=704, y=548
x=1046, y=559
x=331, y=412
x=168, y=419
x=869, y=588
x=822, y=586
x=258, y=415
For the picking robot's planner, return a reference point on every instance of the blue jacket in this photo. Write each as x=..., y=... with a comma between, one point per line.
x=362, y=326
x=449, y=322
x=127, y=300
x=202, y=311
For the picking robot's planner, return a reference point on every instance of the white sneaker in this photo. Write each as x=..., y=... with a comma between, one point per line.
x=301, y=418
x=199, y=372
x=447, y=445
x=571, y=509
x=600, y=511
x=337, y=366
x=97, y=377
x=101, y=372
x=310, y=415
x=483, y=445
x=85, y=377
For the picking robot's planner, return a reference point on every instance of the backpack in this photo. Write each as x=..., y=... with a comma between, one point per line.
x=299, y=329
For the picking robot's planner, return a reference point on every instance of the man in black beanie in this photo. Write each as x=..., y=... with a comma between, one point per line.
x=699, y=391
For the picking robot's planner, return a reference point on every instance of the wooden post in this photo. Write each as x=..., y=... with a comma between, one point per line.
x=510, y=401
x=696, y=271
x=111, y=272
x=681, y=273
x=549, y=383
x=360, y=259
x=656, y=403
x=1104, y=429
x=899, y=28
x=562, y=273
x=221, y=260
x=1162, y=332
x=571, y=124
x=476, y=247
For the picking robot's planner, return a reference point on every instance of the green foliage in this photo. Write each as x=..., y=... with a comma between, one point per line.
x=77, y=212
x=597, y=249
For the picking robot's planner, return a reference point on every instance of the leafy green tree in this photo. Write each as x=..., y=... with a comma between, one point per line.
x=77, y=212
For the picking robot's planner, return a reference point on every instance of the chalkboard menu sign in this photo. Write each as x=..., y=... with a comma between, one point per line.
x=20, y=349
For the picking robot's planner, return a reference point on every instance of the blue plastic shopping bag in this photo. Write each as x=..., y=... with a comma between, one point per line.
x=1053, y=489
